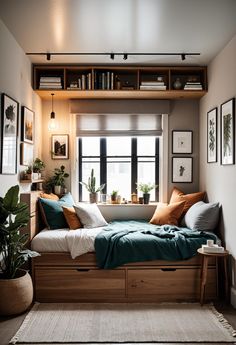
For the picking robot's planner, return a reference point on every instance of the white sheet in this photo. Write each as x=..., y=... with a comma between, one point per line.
x=76, y=242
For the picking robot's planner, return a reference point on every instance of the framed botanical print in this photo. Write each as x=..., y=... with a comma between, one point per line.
x=9, y=135
x=26, y=154
x=212, y=136
x=227, y=132
x=182, y=141
x=27, y=126
x=60, y=146
x=182, y=169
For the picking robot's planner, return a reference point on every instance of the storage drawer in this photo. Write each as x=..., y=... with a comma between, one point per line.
x=170, y=284
x=68, y=285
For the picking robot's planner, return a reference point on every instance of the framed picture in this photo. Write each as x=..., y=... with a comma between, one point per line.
x=182, y=141
x=227, y=132
x=212, y=136
x=9, y=135
x=60, y=146
x=182, y=169
x=26, y=154
x=27, y=128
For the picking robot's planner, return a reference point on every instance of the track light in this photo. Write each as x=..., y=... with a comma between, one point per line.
x=112, y=56
x=183, y=57
x=125, y=57
x=48, y=56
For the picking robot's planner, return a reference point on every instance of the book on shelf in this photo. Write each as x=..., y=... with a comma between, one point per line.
x=50, y=79
x=212, y=249
x=152, y=83
x=153, y=87
x=83, y=82
x=50, y=87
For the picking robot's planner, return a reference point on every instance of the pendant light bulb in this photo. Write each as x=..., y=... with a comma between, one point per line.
x=52, y=125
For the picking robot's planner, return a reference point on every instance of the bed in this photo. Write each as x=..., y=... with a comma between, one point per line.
x=58, y=277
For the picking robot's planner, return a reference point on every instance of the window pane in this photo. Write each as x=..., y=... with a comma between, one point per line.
x=146, y=174
x=146, y=146
x=118, y=146
x=91, y=146
x=86, y=172
x=119, y=178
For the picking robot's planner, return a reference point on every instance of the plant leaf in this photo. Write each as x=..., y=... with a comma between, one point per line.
x=11, y=198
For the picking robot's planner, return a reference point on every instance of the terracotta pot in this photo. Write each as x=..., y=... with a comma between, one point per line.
x=16, y=295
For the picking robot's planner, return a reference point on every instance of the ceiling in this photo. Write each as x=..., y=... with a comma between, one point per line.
x=138, y=26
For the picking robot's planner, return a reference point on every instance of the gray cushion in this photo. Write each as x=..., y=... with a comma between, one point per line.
x=202, y=216
x=90, y=215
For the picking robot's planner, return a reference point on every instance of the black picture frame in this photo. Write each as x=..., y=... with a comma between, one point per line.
x=212, y=129
x=182, y=169
x=227, y=132
x=9, y=134
x=182, y=141
x=60, y=146
x=27, y=125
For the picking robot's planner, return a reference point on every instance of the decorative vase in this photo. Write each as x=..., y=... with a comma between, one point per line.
x=35, y=176
x=177, y=84
x=146, y=198
x=57, y=190
x=16, y=295
x=93, y=198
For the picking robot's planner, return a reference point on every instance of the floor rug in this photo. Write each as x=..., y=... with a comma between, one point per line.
x=123, y=323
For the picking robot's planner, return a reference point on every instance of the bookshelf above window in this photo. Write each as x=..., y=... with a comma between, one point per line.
x=119, y=82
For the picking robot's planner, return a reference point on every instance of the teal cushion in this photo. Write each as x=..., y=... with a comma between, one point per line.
x=52, y=211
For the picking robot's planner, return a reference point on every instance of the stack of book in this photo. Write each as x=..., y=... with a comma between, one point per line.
x=152, y=85
x=50, y=83
x=212, y=249
x=193, y=85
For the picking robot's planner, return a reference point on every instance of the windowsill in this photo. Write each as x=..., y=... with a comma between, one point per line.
x=154, y=204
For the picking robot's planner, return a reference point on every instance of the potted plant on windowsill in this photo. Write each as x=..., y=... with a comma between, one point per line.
x=114, y=197
x=16, y=289
x=92, y=189
x=146, y=188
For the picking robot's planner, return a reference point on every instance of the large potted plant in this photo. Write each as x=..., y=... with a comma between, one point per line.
x=16, y=290
x=92, y=189
x=57, y=182
x=146, y=188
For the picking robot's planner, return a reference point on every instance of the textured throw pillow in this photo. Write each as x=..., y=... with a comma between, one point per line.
x=168, y=214
x=52, y=211
x=190, y=199
x=71, y=218
x=203, y=216
x=49, y=196
x=90, y=215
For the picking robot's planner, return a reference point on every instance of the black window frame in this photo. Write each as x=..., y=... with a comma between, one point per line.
x=134, y=164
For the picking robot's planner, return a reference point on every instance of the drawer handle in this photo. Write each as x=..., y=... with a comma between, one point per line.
x=168, y=269
x=82, y=269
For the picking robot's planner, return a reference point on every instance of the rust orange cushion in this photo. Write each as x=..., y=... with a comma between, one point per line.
x=168, y=214
x=50, y=196
x=71, y=218
x=190, y=199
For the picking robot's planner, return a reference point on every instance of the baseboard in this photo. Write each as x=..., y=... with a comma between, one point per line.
x=233, y=296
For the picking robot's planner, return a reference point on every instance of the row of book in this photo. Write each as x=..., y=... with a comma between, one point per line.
x=193, y=86
x=50, y=83
x=152, y=85
x=104, y=80
x=84, y=82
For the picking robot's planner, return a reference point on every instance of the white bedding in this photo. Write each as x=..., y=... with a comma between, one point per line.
x=76, y=242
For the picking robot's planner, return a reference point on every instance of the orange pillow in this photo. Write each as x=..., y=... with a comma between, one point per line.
x=71, y=218
x=190, y=199
x=168, y=214
x=50, y=196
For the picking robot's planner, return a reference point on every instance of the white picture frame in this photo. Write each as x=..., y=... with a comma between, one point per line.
x=182, y=169
x=182, y=141
x=212, y=136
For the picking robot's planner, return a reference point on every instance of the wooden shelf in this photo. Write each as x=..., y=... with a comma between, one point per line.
x=32, y=181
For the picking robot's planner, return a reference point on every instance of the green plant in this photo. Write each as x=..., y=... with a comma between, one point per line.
x=14, y=215
x=59, y=176
x=114, y=193
x=29, y=170
x=91, y=185
x=146, y=187
x=38, y=165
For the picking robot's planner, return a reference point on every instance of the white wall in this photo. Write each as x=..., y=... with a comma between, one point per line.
x=220, y=181
x=15, y=81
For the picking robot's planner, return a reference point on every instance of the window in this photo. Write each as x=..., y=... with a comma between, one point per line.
x=120, y=163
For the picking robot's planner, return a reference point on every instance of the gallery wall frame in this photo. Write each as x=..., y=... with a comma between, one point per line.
x=27, y=125
x=212, y=120
x=26, y=154
x=182, y=169
x=227, y=132
x=60, y=146
x=9, y=135
x=182, y=141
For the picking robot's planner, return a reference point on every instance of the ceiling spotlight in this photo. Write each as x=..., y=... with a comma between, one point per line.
x=125, y=57
x=183, y=57
x=48, y=56
x=112, y=56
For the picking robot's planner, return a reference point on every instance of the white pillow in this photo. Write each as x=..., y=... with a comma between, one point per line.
x=90, y=215
x=202, y=216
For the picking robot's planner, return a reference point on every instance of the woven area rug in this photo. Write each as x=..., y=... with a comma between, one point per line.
x=123, y=323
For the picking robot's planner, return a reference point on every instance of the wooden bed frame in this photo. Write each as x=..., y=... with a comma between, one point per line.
x=58, y=278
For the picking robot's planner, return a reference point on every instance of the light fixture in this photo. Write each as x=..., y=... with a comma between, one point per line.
x=52, y=125
x=125, y=57
x=112, y=56
x=183, y=57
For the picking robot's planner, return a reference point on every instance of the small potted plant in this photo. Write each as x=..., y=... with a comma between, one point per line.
x=145, y=188
x=28, y=173
x=16, y=289
x=114, y=197
x=92, y=189
x=38, y=166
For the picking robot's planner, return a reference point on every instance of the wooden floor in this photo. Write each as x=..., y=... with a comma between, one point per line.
x=9, y=325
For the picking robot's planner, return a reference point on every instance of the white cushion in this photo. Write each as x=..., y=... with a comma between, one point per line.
x=90, y=215
x=202, y=216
